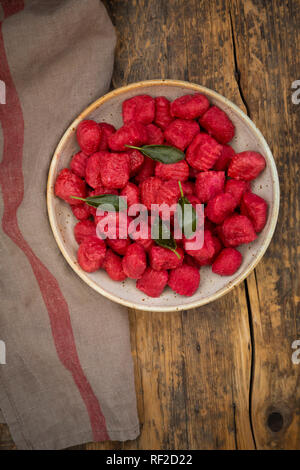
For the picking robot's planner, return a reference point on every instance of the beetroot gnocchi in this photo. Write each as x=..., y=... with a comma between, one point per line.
x=207, y=175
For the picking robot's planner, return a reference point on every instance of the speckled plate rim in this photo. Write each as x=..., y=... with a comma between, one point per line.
x=210, y=93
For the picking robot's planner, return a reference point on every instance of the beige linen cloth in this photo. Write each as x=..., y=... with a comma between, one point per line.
x=68, y=376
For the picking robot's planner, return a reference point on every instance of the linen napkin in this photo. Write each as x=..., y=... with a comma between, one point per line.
x=68, y=376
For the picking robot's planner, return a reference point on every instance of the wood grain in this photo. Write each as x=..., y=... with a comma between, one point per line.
x=268, y=57
x=221, y=376
x=6, y=442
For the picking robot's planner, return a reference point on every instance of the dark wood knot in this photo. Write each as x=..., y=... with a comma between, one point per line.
x=275, y=421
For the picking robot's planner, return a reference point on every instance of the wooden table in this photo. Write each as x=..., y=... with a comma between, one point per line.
x=221, y=376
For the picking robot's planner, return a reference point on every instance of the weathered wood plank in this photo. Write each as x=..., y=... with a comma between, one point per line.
x=268, y=56
x=187, y=398
x=193, y=368
x=217, y=362
x=6, y=442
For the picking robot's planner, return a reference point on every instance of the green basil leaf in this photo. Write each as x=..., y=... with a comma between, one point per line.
x=161, y=153
x=164, y=238
x=187, y=217
x=104, y=200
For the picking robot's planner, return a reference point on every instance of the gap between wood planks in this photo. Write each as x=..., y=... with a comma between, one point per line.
x=237, y=75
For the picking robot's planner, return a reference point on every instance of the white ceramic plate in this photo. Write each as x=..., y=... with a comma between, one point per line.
x=247, y=137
